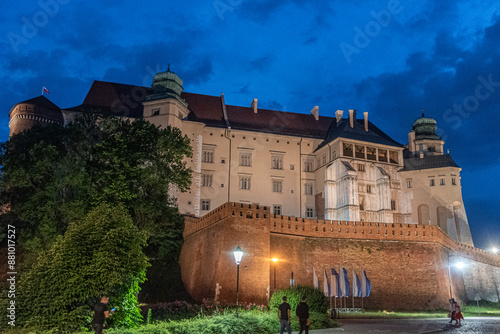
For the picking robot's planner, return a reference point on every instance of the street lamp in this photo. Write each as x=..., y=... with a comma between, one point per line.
x=238, y=254
x=275, y=260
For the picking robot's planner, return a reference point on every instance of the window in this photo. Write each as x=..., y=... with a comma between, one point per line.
x=308, y=165
x=324, y=159
x=371, y=153
x=309, y=212
x=292, y=167
x=319, y=162
x=155, y=112
x=276, y=162
x=277, y=209
x=453, y=181
x=207, y=155
x=246, y=159
x=308, y=189
x=368, y=188
x=205, y=204
x=361, y=167
x=382, y=155
x=360, y=151
x=334, y=154
x=432, y=183
x=206, y=180
x=393, y=157
x=347, y=150
x=393, y=205
x=245, y=182
x=277, y=186
x=408, y=184
x=441, y=182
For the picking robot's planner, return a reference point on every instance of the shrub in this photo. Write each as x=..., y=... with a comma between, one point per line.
x=315, y=298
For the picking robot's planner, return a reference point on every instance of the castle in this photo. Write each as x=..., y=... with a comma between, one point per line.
x=265, y=178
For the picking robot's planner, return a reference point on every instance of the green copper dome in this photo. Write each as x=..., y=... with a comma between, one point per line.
x=167, y=81
x=425, y=128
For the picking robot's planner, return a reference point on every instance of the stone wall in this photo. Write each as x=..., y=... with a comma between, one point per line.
x=406, y=263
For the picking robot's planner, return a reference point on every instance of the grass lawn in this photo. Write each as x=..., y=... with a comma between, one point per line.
x=470, y=310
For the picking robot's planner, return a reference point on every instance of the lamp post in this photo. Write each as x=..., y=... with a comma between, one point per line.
x=238, y=254
x=275, y=260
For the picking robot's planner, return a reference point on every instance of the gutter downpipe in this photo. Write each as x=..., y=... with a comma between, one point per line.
x=227, y=135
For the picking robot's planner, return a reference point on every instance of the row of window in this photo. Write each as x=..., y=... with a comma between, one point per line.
x=244, y=184
x=432, y=182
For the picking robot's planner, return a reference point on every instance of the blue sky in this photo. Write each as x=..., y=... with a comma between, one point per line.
x=390, y=58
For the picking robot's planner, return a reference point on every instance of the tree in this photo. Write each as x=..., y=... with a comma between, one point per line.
x=103, y=253
x=54, y=175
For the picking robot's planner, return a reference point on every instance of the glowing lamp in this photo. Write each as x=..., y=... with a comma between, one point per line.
x=238, y=254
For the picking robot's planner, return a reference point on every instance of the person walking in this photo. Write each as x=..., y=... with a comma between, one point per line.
x=452, y=310
x=458, y=315
x=284, y=316
x=101, y=313
x=302, y=312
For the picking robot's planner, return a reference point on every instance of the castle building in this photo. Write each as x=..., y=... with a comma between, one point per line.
x=303, y=165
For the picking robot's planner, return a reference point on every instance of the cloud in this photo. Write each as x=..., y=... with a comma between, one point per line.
x=447, y=76
x=262, y=64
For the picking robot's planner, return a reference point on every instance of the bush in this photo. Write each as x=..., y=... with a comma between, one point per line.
x=315, y=298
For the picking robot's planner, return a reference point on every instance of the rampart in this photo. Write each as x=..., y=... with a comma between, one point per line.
x=406, y=263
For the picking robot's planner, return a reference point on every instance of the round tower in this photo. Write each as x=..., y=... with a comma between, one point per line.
x=36, y=111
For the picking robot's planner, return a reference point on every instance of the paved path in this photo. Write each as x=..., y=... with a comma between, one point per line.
x=476, y=325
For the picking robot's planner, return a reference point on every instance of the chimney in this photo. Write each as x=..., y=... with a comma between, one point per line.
x=315, y=112
x=365, y=114
x=254, y=105
x=411, y=141
x=338, y=116
x=352, y=117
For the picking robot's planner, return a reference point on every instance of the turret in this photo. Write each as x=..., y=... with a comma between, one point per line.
x=36, y=111
x=165, y=106
x=423, y=140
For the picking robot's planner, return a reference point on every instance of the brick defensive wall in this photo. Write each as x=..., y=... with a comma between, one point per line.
x=406, y=263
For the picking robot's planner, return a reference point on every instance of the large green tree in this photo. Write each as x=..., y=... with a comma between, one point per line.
x=54, y=175
x=103, y=253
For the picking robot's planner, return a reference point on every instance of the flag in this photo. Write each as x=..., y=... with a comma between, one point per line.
x=335, y=284
x=45, y=90
x=326, y=286
x=357, y=288
x=366, y=285
x=316, y=280
x=347, y=286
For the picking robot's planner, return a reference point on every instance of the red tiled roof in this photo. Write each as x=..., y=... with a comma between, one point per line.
x=126, y=100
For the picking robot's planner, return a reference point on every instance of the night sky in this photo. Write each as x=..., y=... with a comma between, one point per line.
x=390, y=58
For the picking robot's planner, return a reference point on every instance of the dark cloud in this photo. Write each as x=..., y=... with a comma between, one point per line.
x=262, y=63
x=437, y=81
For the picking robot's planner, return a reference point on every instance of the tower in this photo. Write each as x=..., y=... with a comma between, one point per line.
x=35, y=111
x=165, y=106
x=423, y=138
x=432, y=182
